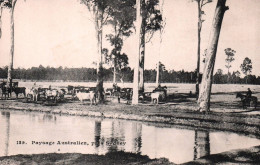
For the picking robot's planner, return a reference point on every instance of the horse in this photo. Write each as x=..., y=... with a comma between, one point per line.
x=252, y=101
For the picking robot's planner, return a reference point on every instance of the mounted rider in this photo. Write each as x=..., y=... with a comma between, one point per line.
x=248, y=94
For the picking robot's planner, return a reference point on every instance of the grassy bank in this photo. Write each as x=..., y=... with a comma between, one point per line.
x=228, y=118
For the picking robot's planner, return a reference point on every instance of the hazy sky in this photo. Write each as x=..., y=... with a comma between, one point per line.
x=61, y=33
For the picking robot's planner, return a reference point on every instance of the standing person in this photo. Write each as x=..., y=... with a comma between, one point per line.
x=34, y=85
x=118, y=94
x=249, y=93
x=128, y=96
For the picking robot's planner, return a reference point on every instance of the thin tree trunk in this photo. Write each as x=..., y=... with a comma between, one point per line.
x=137, y=48
x=206, y=84
x=158, y=74
x=142, y=56
x=98, y=26
x=198, y=50
x=1, y=12
x=114, y=75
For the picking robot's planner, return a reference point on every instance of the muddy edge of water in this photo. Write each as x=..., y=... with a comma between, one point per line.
x=171, y=115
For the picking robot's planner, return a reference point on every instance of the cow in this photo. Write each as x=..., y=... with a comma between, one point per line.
x=87, y=96
x=155, y=97
x=18, y=90
x=51, y=95
x=31, y=94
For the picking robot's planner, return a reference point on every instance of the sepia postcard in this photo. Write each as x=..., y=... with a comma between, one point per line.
x=129, y=82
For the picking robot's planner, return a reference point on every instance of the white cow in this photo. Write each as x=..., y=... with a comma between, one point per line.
x=31, y=94
x=87, y=96
x=155, y=97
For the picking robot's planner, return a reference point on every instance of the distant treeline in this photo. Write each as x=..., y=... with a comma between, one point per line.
x=90, y=74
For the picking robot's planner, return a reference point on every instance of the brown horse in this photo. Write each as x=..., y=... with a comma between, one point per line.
x=250, y=102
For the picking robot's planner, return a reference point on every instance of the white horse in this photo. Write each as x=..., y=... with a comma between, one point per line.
x=87, y=96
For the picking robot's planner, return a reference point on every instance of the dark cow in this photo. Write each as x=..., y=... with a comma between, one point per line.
x=18, y=90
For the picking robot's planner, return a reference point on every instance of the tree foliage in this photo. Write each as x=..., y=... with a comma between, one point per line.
x=153, y=18
x=230, y=53
x=246, y=66
x=3, y=4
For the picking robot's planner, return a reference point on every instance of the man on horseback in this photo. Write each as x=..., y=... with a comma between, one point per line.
x=249, y=94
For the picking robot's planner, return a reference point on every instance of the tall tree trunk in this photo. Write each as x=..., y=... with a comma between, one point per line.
x=142, y=48
x=137, y=48
x=100, y=79
x=205, y=91
x=198, y=50
x=11, y=57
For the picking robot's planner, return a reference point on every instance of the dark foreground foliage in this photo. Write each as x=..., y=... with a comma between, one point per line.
x=115, y=158
x=241, y=156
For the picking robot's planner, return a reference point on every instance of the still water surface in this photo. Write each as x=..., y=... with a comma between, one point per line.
x=47, y=133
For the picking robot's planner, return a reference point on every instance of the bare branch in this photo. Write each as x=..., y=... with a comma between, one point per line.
x=150, y=36
x=208, y=1
x=105, y=19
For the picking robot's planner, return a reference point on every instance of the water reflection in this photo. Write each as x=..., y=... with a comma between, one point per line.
x=137, y=137
x=105, y=135
x=97, y=133
x=202, y=144
x=7, y=119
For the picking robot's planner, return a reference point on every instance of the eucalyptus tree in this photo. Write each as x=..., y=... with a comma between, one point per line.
x=116, y=60
x=246, y=67
x=151, y=22
x=200, y=3
x=230, y=53
x=122, y=21
x=206, y=84
x=100, y=10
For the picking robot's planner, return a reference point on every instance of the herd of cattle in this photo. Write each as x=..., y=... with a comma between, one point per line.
x=52, y=96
